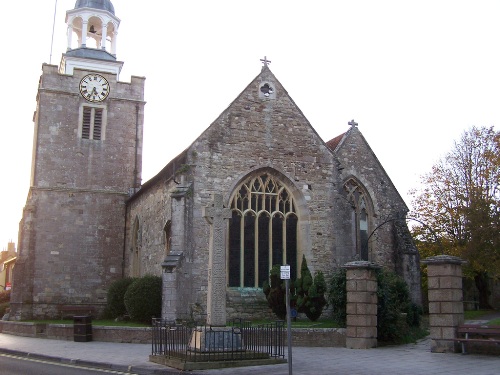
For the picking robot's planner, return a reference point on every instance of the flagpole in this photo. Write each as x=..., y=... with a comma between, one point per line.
x=53, y=26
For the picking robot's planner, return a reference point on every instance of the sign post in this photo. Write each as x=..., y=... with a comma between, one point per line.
x=285, y=275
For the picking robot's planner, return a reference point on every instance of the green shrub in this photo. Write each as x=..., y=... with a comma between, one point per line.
x=310, y=293
x=3, y=308
x=276, y=292
x=337, y=296
x=143, y=299
x=395, y=313
x=115, y=306
x=5, y=296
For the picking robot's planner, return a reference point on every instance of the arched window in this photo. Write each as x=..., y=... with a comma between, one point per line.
x=136, y=249
x=167, y=236
x=361, y=216
x=262, y=231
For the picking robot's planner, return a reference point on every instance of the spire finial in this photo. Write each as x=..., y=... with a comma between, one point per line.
x=352, y=123
x=265, y=61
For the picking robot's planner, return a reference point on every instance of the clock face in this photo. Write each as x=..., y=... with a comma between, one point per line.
x=94, y=87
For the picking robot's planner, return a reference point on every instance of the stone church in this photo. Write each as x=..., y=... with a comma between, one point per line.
x=89, y=220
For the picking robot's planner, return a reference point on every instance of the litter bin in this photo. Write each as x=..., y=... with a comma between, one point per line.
x=82, y=328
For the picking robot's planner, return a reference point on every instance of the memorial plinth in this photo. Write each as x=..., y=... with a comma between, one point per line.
x=220, y=339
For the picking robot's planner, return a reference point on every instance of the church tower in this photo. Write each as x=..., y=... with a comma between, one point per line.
x=87, y=155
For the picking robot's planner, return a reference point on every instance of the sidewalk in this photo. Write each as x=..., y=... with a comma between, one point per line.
x=393, y=360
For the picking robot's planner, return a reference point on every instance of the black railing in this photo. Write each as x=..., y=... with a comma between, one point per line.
x=201, y=343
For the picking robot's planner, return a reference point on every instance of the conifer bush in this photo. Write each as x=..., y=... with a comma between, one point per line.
x=143, y=299
x=310, y=292
x=275, y=292
x=115, y=306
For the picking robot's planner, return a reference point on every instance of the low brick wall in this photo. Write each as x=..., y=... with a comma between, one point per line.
x=137, y=335
x=311, y=337
x=318, y=337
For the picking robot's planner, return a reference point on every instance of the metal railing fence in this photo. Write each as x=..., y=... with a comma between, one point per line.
x=201, y=343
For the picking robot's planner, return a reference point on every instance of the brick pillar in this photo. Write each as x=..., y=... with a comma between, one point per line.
x=446, y=310
x=361, y=332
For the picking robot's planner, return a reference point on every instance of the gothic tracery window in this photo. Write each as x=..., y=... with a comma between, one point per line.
x=167, y=236
x=262, y=231
x=360, y=216
x=136, y=249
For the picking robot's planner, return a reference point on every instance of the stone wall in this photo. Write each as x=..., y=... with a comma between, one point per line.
x=71, y=234
x=326, y=337
x=136, y=335
x=319, y=337
x=258, y=134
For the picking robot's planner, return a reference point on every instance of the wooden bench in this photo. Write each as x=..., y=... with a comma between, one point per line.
x=473, y=333
x=75, y=310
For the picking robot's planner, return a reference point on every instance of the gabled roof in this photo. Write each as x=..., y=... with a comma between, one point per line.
x=333, y=143
x=168, y=172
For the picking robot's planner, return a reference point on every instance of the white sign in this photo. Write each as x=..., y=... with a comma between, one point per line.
x=285, y=272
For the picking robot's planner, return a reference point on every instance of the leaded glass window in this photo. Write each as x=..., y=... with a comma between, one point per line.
x=361, y=209
x=262, y=231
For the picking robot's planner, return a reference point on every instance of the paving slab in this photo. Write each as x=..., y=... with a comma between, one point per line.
x=410, y=359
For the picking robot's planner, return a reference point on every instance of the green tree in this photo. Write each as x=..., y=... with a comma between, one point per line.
x=460, y=201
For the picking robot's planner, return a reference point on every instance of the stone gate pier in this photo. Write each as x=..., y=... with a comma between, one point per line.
x=446, y=310
x=361, y=331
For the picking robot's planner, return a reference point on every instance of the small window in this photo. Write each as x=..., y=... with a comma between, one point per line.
x=167, y=233
x=361, y=216
x=136, y=249
x=267, y=91
x=92, y=123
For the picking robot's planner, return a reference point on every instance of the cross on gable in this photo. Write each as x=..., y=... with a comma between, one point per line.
x=265, y=61
x=352, y=123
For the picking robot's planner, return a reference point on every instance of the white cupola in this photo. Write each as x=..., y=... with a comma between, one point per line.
x=96, y=27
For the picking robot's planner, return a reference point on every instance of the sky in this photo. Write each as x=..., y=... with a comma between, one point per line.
x=413, y=74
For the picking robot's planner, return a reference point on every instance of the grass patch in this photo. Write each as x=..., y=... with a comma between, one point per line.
x=414, y=334
x=322, y=323
x=476, y=314
x=494, y=322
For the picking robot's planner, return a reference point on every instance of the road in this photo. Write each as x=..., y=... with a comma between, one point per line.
x=13, y=365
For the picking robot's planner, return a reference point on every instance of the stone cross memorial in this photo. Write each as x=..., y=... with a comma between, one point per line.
x=216, y=298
